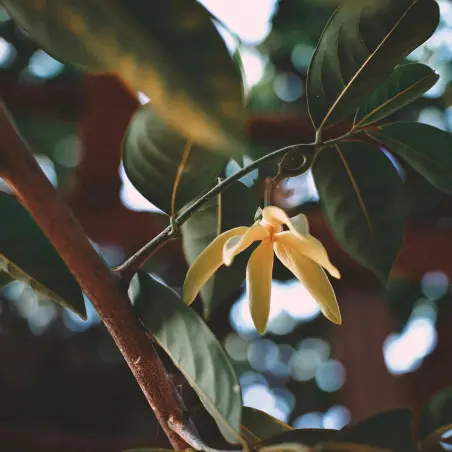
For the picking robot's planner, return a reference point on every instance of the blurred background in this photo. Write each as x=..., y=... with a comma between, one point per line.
x=63, y=385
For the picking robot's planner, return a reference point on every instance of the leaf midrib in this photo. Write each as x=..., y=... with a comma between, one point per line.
x=392, y=99
x=363, y=66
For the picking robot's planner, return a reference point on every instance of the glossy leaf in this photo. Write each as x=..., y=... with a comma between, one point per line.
x=193, y=348
x=27, y=255
x=389, y=430
x=152, y=155
x=359, y=48
x=257, y=425
x=405, y=84
x=361, y=195
x=239, y=205
x=427, y=149
x=169, y=50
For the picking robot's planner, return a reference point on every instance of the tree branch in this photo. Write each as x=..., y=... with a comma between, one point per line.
x=21, y=171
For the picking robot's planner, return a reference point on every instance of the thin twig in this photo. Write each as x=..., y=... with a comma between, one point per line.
x=135, y=262
x=128, y=268
x=21, y=171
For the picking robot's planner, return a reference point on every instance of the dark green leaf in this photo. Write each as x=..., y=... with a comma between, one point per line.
x=193, y=348
x=427, y=149
x=257, y=425
x=169, y=50
x=437, y=413
x=405, y=84
x=239, y=205
x=389, y=430
x=358, y=50
x=361, y=195
x=304, y=437
x=27, y=255
x=5, y=279
x=152, y=156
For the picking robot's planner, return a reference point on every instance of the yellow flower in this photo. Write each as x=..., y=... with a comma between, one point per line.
x=299, y=251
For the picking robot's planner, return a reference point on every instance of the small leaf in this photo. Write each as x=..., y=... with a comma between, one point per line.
x=427, y=149
x=170, y=50
x=358, y=50
x=257, y=425
x=361, y=195
x=405, y=84
x=437, y=413
x=27, y=255
x=239, y=205
x=389, y=430
x=193, y=348
x=152, y=155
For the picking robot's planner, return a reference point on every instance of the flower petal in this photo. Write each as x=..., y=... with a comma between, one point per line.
x=310, y=247
x=259, y=283
x=312, y=276
x=236, y=245
x=276, y=217
x=207, y=263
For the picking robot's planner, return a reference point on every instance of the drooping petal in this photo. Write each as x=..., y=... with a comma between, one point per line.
x=207, y=263
x=236, y=245
x=276, y=217
x=259, y=282
x=313, y=277
x=310, y=247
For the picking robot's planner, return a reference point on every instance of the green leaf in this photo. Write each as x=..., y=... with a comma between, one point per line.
x=27, y=255
x=170, y=50
x=193, y=348
x=390, y=430
x=239, y=205
x=405, y=84
x=5, y=279
x=427, y=149
x=361, y=196
x=358, y=50
x=437, y=413
x=152, y=156
x=257, y=425
x=304, y=437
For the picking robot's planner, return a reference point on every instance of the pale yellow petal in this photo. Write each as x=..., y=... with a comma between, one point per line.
x=300, y=224
x=312, y=276
x=310, y=247
x=259, y=283
x=236, y=245
x=276, y=217
x=207, y=263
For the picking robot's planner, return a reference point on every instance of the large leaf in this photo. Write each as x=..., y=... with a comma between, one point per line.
x=389, y=430
x=168, y=49
x=358, y=50
x=239, y=205
x=405, y=84
x=193, y=348
x=153, y=155
x=27, y=255
x=361, y=195
x=257, y=425
x=427, y=149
